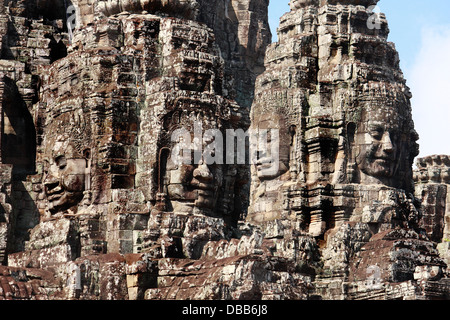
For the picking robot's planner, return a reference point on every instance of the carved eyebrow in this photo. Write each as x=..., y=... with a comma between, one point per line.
x=376, y=124
x=376, y=127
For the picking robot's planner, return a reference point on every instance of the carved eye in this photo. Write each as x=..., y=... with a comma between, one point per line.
x=377, y=133
x=61, y=162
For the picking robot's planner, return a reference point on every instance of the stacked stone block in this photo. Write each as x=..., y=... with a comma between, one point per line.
x=93, y=208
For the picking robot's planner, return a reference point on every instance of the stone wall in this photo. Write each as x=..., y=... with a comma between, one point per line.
x=432, y=188
x=5, y=212
x=95, y=205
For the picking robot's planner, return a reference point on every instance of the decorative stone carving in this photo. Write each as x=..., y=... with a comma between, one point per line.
x=384, y=138
x=432, y=187
x=352, y=137
x=68, y=160
x=109, y=8
x=106, y=202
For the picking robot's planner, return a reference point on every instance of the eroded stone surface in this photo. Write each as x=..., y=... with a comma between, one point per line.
x=95, y=207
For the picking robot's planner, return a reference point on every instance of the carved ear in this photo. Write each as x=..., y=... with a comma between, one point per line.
x=88, y=157
x=351, y=131
x=292, y=132
x=353, y=147
x=87, y=154
x=353, y=153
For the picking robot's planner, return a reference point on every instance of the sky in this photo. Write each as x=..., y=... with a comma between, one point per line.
x=421, y=32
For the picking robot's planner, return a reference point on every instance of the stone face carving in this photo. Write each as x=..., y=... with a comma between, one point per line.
x=264, y=124
x=67, y=163
x=377, y=147
x=191, y=183
x=128, y=191
x=384, y=137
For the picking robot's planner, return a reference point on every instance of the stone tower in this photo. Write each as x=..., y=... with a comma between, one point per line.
x=108, y=108
x=334, y=90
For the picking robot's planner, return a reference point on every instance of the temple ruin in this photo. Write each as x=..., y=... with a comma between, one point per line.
x=96, y=206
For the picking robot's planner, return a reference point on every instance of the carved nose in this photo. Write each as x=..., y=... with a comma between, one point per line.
x=388, y=147
x=202, y=173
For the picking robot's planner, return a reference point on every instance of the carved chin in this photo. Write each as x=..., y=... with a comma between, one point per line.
x=64, y=201
x=205, y=199
x=200, y=199
x=380, y=168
